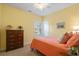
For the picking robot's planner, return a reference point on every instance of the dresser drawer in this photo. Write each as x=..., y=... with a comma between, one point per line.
x=9, y=32
x=11, y=40
x=20, y=35
x=10, y=48
x=11, y=36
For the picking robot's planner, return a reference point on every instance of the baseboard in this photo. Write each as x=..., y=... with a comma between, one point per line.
x=27, y=44
x=2, y=49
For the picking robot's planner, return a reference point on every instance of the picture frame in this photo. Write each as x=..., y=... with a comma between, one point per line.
x=60, y=25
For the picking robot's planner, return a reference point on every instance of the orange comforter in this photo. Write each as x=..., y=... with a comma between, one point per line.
x=49, y=46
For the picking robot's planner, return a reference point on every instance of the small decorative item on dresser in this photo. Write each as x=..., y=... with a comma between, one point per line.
x=20, y=27
x=9, y=27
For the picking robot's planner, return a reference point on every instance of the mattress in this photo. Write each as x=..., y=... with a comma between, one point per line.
x=49, y=46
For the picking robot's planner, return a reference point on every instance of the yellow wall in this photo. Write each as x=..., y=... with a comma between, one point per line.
x=0, y=15
x=69, y=15
x=16, y=17
x=0, y=21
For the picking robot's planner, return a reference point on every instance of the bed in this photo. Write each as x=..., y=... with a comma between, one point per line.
x=49, y=46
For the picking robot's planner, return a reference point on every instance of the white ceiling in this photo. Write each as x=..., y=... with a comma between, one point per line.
x=51, y=8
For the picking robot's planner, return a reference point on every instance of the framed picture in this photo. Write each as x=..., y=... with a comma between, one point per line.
x=61, y=25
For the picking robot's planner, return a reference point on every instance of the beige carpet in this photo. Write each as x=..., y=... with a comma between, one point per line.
x=25, y=51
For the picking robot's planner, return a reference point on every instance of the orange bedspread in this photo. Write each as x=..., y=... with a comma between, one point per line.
x=49, y=46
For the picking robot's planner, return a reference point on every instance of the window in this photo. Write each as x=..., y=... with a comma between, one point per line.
x=46, y=28
x=37, y=28
x=41, y=28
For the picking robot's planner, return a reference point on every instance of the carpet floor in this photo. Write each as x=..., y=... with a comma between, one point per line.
x=25, y=51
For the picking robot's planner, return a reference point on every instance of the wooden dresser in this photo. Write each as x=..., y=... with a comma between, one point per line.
x=14, y=39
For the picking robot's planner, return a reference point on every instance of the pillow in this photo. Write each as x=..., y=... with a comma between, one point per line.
x=66, y=37
x=73, y=41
